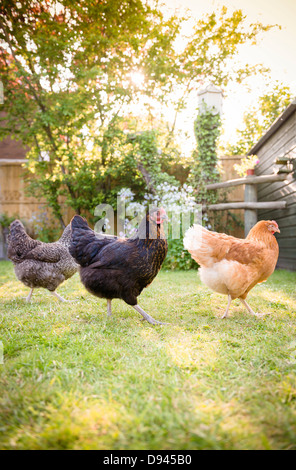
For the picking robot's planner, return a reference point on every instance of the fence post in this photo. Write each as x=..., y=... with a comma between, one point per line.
x=250, y=214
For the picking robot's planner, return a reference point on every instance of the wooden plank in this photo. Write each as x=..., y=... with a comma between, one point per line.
x=245, y=205
x=282, y=146
x=286, y=263
x=287, y=251
x=280, y=143
x=276, y=186
x=278, y=123
x=288, y=243
x=278, y=214
x=287, y=232
x=248, y=180
x=279, y=193
x=287, y=221
x=277, y=141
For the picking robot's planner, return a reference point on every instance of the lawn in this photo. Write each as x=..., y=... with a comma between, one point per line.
x=73, y=379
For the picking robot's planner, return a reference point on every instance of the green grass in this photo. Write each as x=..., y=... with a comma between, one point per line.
x=73, y=379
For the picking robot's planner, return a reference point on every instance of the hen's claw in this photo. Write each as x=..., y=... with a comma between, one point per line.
x=28, y=298
x=261, y=315
x=59, y=297
x=251, y=311
x=147, y=317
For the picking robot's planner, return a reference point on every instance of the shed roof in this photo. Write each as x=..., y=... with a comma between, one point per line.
x=274, y=127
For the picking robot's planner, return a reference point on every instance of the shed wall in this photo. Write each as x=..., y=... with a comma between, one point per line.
x=282, y=142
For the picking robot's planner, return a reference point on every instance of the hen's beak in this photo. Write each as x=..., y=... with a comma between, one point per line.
x=161, y=219
x=277, y=230
x=161, y=216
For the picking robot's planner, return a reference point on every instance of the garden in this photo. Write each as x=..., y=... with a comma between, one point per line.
x=120, y=104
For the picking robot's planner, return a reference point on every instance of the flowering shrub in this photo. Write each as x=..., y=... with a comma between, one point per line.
x=5, y=220
x=43, y=227
x=180, y=206
x=247, y=163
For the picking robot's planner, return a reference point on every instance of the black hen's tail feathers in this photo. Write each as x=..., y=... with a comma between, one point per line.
x=85, y=243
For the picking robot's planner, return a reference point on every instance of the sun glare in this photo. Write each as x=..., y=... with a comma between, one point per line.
x=137, y=78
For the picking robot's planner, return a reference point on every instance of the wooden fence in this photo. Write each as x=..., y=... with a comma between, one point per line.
x=250, y=204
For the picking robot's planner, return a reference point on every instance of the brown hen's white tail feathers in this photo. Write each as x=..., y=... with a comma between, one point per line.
x=193, y=238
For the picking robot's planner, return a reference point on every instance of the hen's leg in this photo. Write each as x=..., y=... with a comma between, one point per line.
x=227, y=308
x=29, y=296
x=146, y=316
x=58, y=296
x=109, y=308
x=250, y=310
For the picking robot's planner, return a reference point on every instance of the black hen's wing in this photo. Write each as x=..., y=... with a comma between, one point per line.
x=86, y=245
x=117, y=255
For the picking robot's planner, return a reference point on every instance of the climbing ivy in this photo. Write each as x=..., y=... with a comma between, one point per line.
x=205, y=169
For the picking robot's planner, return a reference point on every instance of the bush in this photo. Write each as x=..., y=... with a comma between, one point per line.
x=177, y=201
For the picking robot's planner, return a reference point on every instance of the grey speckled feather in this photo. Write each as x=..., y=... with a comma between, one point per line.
x=39, y=264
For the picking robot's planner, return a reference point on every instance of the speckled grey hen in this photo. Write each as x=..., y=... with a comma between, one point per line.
x=38, y=264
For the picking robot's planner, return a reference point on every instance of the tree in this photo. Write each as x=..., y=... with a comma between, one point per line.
x=67, y=67
x=259, y=118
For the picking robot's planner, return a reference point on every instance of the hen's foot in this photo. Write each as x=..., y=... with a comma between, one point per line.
x=59, y=297
x=28, y=298
x=227, y=308
x=260, y=315
x=251, y=311
x=147, y=317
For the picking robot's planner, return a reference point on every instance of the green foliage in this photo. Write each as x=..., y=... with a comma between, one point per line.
x=247, y=163
x=44, y=228
x=259, y=118
x=66, y=69
x=205, y=170
x=5, y=220
x=147, y=157
x=178, y=201
x=178, y=258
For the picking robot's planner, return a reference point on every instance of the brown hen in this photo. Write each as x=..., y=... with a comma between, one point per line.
x=233, y=266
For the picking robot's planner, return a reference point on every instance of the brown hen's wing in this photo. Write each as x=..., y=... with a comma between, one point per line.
x=247, y=252
x=207, y=248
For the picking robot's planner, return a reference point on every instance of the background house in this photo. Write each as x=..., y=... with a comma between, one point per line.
x=279, y=144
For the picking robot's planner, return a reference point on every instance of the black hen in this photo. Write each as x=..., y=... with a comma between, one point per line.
x=120, y=268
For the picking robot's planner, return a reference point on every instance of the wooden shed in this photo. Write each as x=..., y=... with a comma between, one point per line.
x=279, y=144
